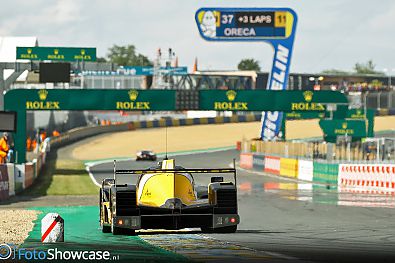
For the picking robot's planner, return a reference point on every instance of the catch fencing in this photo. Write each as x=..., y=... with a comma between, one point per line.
x=353, y=152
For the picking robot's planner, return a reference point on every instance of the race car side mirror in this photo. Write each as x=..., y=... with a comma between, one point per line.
x=217, y=179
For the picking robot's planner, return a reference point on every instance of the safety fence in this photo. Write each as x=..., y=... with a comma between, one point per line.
x=353, y=152
x=373, y=178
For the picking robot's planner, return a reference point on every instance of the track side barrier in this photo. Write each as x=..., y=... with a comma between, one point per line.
x=355, y=178
x=289, y=167
x=305, y=170
x=326, y=173
x=246, y=160
x=11, y=179
x=29, y=174
x=258, y=162
x=378, y=176
x=272, y=164
x=4, y=183
x=19, y=178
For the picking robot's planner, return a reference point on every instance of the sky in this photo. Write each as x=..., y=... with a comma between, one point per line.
x=332, y=34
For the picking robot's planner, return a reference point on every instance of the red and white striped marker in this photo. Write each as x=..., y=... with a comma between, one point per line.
x=52, y=228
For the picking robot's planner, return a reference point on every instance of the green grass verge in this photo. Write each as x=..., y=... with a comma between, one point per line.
x=62, y=177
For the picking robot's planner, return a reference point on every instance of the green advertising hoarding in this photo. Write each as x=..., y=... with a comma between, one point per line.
x=359, y=114
x=56, y=53
x=268, y=100
x=294, y=115
x=21, y=100
x=106, y=99
x=356, y=129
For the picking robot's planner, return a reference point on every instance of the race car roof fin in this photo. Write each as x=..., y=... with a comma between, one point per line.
x=115, y=172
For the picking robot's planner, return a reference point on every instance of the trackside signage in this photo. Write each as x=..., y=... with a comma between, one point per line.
x=258, y=100
x=56, y=53
x=61, y=99
x=334, y=128
x=20, y=100
x=276, y=26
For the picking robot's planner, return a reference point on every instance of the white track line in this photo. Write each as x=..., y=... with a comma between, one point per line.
x=87, y=168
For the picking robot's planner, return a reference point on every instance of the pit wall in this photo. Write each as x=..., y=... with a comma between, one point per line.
x=364, y=178
x=14, y=178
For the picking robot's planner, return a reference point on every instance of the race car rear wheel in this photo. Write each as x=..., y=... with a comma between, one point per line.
x=105, y=229
x=115, y=230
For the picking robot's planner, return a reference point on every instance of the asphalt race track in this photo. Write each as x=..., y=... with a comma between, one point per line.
x=281, y=220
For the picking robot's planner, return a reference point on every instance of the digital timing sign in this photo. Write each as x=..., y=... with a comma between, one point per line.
x=229, y=24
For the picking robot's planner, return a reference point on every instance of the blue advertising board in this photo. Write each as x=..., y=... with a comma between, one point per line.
x=275, y=26
x=138, y=71
x=147, y=71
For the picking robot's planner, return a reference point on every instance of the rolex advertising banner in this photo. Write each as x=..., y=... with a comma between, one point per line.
x=76, y=99
x=21, y=100
x=268, y=100
x=356, y=129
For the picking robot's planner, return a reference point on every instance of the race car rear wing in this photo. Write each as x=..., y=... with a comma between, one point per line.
x=187, y=170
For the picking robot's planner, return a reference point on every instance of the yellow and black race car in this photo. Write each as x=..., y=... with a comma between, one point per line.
x=165, y=197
